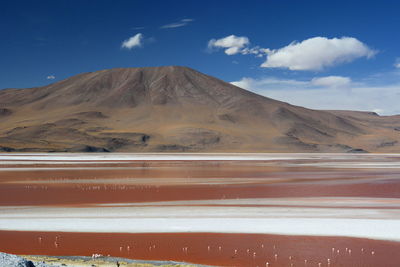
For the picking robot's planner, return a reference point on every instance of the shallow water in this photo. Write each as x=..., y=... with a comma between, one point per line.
x=204, y=208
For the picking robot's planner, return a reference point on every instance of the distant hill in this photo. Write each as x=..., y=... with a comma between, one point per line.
x=169, y=109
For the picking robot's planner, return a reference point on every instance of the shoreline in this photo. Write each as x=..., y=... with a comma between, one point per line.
x=215, y=249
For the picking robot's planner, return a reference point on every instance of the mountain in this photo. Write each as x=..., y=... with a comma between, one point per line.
x=177, y=109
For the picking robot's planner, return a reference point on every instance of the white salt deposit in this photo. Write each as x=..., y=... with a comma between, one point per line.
x=365, y=223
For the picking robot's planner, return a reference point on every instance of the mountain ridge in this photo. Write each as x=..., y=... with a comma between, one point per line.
x=174, y=108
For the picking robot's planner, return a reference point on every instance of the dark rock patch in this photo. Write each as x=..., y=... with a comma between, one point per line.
x=92, y=115
x=5, y=112
x=386, y=144
x=145, y=138
x=87, y=148
x=357, y=150
x=6, y=149
x=172, y=148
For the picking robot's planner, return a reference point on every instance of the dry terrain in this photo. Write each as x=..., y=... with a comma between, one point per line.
x=164, y=109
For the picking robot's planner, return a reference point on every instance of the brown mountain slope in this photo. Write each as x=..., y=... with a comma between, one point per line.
x=177, y=109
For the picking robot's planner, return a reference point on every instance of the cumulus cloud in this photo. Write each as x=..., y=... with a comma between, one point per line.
x=351, y=95
x=313, y=54
x=181, y=23
x=134, y=41
x=233, y=44
x=317, y=53
x=50, y=77
x=331, y=81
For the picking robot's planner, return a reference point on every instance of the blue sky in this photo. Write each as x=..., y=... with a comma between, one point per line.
x=319, y=54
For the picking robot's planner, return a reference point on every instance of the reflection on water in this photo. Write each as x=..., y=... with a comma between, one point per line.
x=240, y=196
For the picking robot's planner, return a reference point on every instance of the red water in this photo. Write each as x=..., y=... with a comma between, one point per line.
x=249, y=250
x=20, y=187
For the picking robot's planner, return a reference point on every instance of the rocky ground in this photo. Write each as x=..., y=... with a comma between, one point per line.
x=9, y=260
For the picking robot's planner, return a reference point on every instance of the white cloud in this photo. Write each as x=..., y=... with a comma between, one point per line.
x=134, y=41
x=349, y=96
x=317, y=53
x=257, y=51
x=269, y=83
x=50, y=77
x=331, y=81
x=181, y=23
x=232, y=43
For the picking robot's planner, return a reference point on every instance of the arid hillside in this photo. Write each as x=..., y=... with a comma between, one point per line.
x=167, y=109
